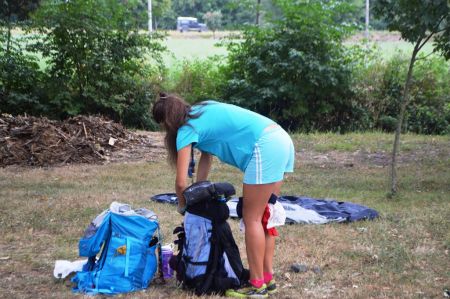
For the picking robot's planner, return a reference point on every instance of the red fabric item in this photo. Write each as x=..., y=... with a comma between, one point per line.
x=271, y=231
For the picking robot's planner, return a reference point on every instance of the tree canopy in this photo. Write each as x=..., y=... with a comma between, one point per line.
x=17, y=10
x=235, y=13
x=423, y=20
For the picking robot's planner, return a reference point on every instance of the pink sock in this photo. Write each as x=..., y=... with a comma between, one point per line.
x=267, y=277
x=257, y=283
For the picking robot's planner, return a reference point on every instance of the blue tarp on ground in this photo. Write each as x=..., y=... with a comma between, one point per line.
x=303, y=209
x=332, y=209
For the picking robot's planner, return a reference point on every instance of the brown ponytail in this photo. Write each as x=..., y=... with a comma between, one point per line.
x=172, y=112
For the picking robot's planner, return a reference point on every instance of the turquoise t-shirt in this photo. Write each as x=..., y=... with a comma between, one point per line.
x=226, y=131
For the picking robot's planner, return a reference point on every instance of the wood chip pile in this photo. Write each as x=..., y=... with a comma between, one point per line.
x=36, y=141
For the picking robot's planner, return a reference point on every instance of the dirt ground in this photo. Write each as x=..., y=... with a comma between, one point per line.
x=152, y=150
x=377, y=36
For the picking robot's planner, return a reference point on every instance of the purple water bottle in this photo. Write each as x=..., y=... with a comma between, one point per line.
x=167, y=252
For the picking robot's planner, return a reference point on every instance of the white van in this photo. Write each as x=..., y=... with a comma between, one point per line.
x=190, y=24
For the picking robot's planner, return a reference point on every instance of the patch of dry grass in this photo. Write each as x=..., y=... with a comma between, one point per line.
x=403, y=254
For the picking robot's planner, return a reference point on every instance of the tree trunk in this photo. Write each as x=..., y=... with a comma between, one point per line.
x=403, y=104
x=7, y=85
x=8, y=38
x=150, y=17
x=258, y=5
x=367, y=19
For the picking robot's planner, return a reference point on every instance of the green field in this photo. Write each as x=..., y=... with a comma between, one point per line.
x=192, y=48
x=390, y=48
x=403, y=254
x=202, y=45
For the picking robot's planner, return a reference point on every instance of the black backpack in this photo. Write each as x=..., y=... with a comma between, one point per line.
x=208, y=259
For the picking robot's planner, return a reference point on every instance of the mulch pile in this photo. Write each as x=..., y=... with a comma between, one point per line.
x=32, y=141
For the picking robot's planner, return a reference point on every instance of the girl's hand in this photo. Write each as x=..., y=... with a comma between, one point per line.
x=181, y=210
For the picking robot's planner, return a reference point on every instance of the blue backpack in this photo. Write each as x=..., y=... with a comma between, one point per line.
x=208, y=259
x=127, y=240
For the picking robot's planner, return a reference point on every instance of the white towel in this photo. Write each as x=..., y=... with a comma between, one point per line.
x=64, y=268
x=277, y=215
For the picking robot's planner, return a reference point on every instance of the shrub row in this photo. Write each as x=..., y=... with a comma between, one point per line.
x=379, y=84
x=372, y=102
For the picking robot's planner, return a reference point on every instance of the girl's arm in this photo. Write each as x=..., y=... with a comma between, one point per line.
x=204, y=166
x=183, y=158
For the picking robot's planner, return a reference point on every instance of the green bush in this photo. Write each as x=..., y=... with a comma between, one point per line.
x=428, y=112
x=97, y=59
x=387, y=123
x=295, y=70
x=197, y=80
x=378, y=86
x=20, y=77
x=138, y=114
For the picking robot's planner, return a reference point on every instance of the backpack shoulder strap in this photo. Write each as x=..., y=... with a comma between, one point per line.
x=177, y=264
x=213, y=263
x=160, y=263
x=231, y=249
x=191, y=169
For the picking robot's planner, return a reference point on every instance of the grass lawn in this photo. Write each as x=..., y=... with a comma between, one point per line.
x=191, y=48
x=403, y=254
x=200, y=46
x=195, y=45
x=390, y=48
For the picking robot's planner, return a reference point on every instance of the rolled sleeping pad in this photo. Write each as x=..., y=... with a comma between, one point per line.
x=206, y=191
x=198, y=192
x=224, y=189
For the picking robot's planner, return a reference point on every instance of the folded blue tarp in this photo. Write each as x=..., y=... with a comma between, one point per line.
x=165, y=198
